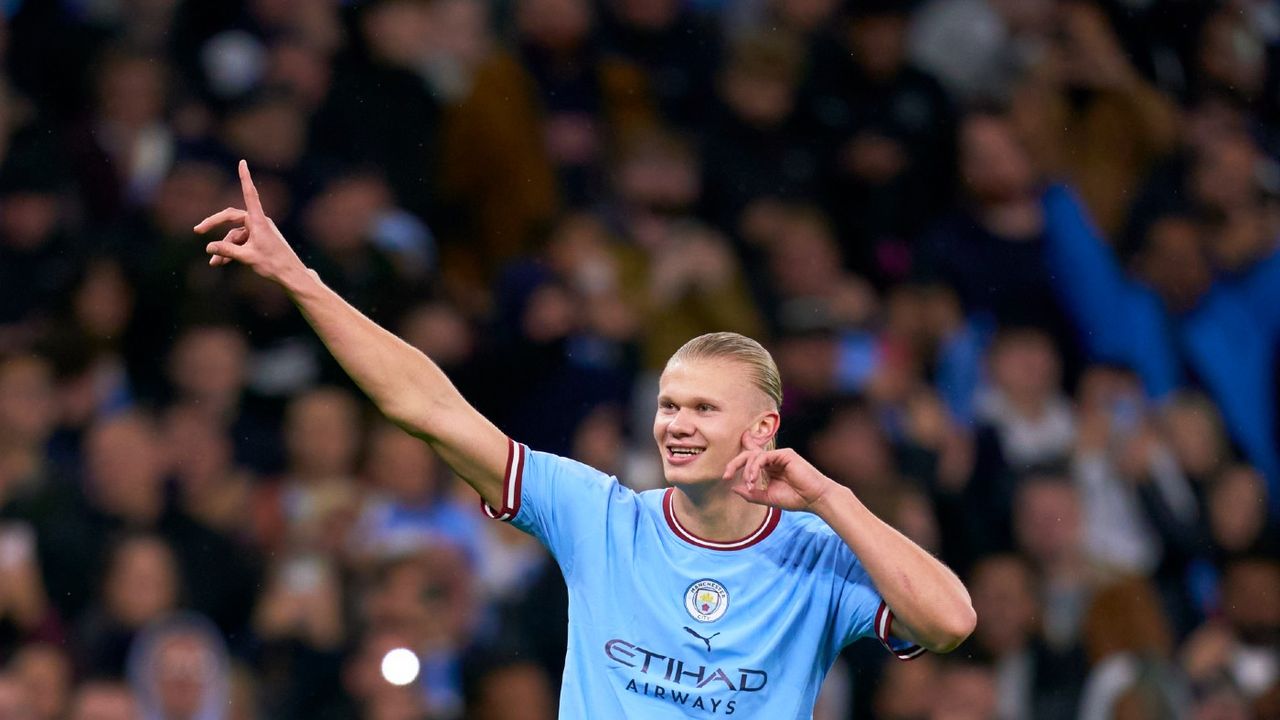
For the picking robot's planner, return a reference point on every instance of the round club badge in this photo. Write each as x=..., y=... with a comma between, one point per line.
x=706, y=600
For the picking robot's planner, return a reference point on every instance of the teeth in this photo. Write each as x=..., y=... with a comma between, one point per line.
x=686, y=451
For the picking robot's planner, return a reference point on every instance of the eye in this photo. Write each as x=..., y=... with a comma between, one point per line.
x=666, y=405
x=705, y=407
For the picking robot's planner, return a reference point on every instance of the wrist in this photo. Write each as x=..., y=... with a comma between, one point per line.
x=829, y=503
x=298, y=280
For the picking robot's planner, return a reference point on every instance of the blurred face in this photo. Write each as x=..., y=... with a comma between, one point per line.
x=1225, y=172
x=854, y=450
x=760, y=100
x=1047, y=521
x=659, y=178
x=14, y=703
x=1004, y=599
x=403, y=466
x=142, y=585
x=805, y=16
x=341, y=219
x=185, y=197
x=515, y=692
x=879, y=44
x=199, y=450
x=46, y=674
x=705, y=407
x=27, y=401
x=1237, y=508
x=397, y=31
x=29, y=219
x=104, y=301
x=132, y=91
x=804, y=261
x=273, y=134
x=965, y=693
x=322, y=432
x=104, y=701
x=1195, y=432
x=183, y=666
x=648, y=14
x=994, y=165
x=1251, y=600
x=553, y=24
x=209, y=363
x=907, y=689
x=427, y=600
x=1026, y=367
x=440, y=332
x=126, y=465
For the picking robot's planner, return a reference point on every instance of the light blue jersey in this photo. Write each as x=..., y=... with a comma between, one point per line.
x=663, y=624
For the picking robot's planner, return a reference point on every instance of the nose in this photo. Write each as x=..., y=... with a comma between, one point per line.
x=680, y=424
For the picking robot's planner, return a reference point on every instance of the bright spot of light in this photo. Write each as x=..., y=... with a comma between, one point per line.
x=400, y=666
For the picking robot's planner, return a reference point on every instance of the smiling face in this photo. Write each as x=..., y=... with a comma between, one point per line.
x=705, y=406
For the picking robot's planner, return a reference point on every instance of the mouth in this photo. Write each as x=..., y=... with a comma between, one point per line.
x=682, y=454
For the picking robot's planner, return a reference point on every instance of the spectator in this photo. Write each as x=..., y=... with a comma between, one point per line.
x=141, y=584
x=311, y=506
x=752, y=148
x=411, y=508
x=1147, y=329
x=1033, y=679
x=45, y=670
x=1092, y=117
x=1130, y=644
x=104, y=700
x=966, y=691
x=888, y=130
x=14, y=702
x=178, y=670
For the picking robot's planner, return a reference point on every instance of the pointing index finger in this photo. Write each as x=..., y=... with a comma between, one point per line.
x=251, y=201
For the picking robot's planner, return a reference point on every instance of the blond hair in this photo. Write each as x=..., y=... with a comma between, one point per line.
x=740, y=348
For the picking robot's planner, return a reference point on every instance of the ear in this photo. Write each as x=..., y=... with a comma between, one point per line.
x=763, y=430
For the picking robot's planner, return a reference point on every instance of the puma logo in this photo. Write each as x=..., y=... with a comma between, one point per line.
x=706, y=640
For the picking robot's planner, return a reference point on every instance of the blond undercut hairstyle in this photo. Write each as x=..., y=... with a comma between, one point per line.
x=742, y=349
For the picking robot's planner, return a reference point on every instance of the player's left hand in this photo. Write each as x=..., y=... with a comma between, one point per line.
x=780, y=478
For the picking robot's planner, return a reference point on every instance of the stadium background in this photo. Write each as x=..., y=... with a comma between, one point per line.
x=1016, y=259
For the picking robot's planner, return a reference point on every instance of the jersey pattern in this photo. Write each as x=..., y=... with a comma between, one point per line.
x=664, y=624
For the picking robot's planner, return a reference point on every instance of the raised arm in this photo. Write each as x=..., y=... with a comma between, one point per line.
x=405, y=384
x=931, y=605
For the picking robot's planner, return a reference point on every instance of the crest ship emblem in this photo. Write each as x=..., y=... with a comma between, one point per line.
x=706, y=600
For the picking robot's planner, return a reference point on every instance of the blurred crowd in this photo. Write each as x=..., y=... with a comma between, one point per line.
x=1017, y=261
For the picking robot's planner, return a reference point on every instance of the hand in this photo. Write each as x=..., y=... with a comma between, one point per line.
x=256, y=241
x=780, y=478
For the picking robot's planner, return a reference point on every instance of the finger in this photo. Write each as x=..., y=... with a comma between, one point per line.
x=736, y=464
x=752, y=473
x=251, y=201
x=235, y=215
x=219, y=261
x=227, y=249
x=750, y=494
x=239, y=235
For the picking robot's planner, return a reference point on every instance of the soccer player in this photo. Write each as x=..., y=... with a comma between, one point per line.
x=728, y=593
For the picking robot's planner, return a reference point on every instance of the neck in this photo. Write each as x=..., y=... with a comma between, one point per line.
x=715, y=513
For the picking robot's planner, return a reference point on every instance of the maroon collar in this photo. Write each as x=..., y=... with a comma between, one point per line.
x=771, y=519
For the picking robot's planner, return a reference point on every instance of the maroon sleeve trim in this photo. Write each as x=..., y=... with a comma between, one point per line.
x=884, y=631
x=511, y=481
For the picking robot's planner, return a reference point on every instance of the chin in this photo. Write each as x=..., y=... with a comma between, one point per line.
x=685, y=476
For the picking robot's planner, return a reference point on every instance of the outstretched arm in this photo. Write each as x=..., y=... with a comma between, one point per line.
x=930, y=603
x=405, y=385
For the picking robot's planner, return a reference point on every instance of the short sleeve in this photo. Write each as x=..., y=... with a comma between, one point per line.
x=861, y=612
x=562, y=502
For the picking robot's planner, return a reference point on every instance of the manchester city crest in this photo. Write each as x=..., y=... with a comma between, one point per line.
x=706, y=600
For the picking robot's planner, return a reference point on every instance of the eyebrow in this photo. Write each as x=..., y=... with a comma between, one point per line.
x=695, y=400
